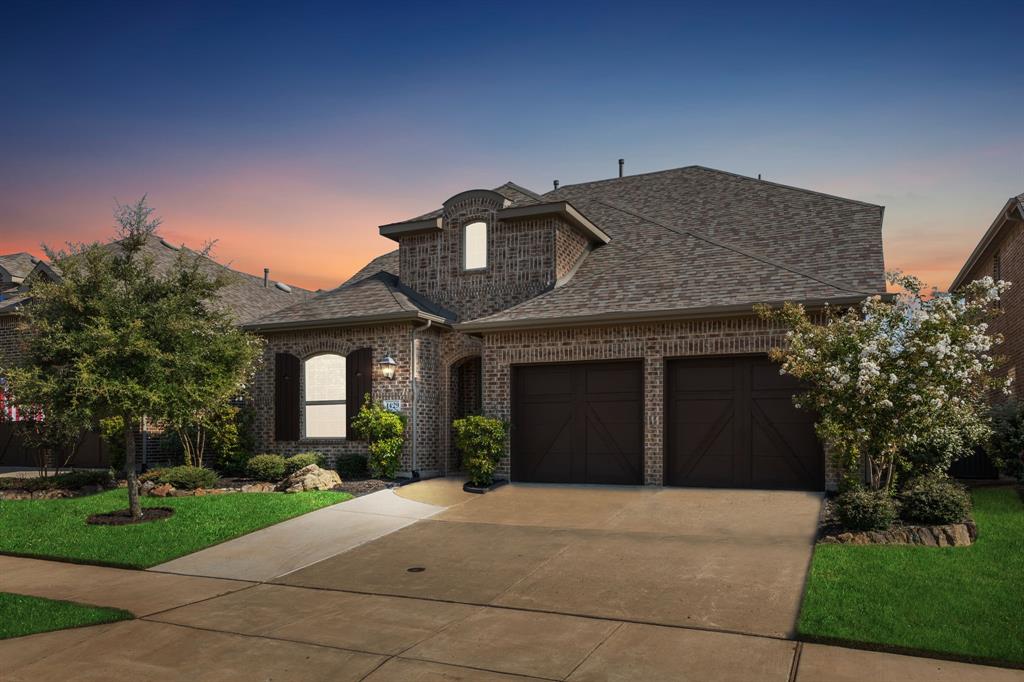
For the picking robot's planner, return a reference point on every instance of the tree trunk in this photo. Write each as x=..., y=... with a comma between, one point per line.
x=129, y=469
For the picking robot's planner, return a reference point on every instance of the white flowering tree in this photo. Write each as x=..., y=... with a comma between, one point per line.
x=895, y=376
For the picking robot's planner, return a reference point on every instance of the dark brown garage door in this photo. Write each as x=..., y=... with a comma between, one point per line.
x=730, y=422
x=578, y=423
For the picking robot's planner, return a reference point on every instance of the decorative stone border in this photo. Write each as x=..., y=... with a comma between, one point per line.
x=952, y=535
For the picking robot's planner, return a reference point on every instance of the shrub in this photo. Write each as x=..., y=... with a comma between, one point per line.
x=151, y=475
x=303, y=459
x=481, y=440
x=352, y=466
x=1005, y=448
x=188, y=477
x=860, y=509
x=385, y=431
x=934, y=500
x=266, y=467
x=72, y=480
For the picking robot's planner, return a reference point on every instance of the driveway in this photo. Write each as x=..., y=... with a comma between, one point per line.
x=528, y=582
x=727, y=560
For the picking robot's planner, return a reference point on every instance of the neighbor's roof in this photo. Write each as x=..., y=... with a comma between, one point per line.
x=14, y=267
x=1012, y=204
x=376, y=297
x=696, y=241
x=244, y=296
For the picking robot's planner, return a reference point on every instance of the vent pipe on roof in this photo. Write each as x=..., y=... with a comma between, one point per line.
x=758, y=176
x=266, y=277
x=556, y=184
x=622, y=162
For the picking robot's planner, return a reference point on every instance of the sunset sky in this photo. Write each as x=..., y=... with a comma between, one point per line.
x=290, y=131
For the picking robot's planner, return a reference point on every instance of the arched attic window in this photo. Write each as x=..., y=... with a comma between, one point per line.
x=474, y=245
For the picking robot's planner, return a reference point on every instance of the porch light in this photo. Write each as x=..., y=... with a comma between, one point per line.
x=387, y=367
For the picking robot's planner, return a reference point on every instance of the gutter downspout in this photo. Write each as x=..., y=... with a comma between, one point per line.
x=415, y=393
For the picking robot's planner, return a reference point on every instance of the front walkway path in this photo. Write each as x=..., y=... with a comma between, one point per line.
x=305, y=540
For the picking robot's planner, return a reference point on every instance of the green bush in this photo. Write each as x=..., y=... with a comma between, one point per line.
x=384, y=430
x=266, y=468
x=151, y=475
x=112, y=430
x=188, y=478
x=303, y=459
x=72, y=480
x=1005, y=448
x=352, y=466
x=860, y=509
x=481, y=441
x=934, y=500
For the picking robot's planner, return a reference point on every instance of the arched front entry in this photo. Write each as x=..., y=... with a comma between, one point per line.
x=465, y=396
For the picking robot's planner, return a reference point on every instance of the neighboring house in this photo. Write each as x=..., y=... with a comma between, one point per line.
x=1000, y=255
x=14, y=268
x=609, y=323
x=245, y=297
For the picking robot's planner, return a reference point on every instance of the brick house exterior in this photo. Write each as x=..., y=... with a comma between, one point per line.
x=1000, y=255
x=609, y=323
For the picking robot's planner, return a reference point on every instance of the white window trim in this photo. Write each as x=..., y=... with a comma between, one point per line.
x=465, y=246
x=306, y=403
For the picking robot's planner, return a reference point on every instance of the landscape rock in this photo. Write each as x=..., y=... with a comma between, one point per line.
x=146, y=487
x=261, y=487
x=162, y=490
x=310, y=477
x=952, y=535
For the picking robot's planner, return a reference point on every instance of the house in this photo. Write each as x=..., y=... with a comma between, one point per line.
x=245, y=297
x=1000, y=255
x=609, y=323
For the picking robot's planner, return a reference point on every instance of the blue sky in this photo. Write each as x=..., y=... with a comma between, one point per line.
x=291, y=130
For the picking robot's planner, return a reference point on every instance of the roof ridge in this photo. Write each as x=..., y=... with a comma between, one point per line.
x=826, y=195
x=842, y=286
x=524, y=190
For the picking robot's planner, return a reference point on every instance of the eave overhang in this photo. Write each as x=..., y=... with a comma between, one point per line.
x=562, y=209
x=396, y=230
x=350, y=321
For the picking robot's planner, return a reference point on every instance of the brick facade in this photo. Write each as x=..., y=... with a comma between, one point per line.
x=9, y=350
x=1009, y=245
x=524, y=258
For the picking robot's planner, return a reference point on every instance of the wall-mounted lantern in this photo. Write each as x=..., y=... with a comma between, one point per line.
x=387, y=367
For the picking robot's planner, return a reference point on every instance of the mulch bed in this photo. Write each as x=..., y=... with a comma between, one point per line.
x=123, y=517
x=364, y=486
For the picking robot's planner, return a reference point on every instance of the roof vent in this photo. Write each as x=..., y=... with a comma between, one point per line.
x=622, y=163
x=556, y=184
x=283, y=287
x=169, y=245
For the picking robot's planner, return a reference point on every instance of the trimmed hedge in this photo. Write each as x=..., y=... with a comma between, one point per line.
x=72, y=480
x=303, y=459
x=266, y=468
x=934, y=500
x=860, y=509
x=188, y=478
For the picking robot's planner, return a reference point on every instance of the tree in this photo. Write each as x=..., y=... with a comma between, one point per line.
x=891, y=376
x=120, y=337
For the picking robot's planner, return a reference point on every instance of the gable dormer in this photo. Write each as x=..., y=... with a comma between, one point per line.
x=482, y=252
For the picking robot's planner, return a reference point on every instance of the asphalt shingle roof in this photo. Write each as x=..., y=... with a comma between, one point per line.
x=18, y=265
x=373, y=296
x=697, y=238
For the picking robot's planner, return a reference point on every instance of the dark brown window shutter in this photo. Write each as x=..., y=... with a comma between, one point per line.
x=358, y=383
x=286, y=396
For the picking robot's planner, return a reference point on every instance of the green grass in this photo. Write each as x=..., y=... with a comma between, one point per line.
x=56, y=529
x=21, y=615
x=963, y=601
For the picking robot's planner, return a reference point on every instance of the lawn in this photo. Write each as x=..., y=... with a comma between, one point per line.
x=21, y=615
x=56, y=529
x=963, y=601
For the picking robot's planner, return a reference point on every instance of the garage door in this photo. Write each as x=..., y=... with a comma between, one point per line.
x=578, y=423
x=730, y=422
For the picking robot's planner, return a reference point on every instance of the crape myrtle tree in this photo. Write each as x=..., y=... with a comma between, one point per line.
x=898, y=375
x=120, y=337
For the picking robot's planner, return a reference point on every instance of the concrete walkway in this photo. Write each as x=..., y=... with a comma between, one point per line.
x=293, y=544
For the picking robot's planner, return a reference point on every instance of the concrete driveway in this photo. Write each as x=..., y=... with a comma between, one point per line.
x=727, y=560
x=529, y=582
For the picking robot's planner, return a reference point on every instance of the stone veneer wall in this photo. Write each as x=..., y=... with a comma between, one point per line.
x=653, y=343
